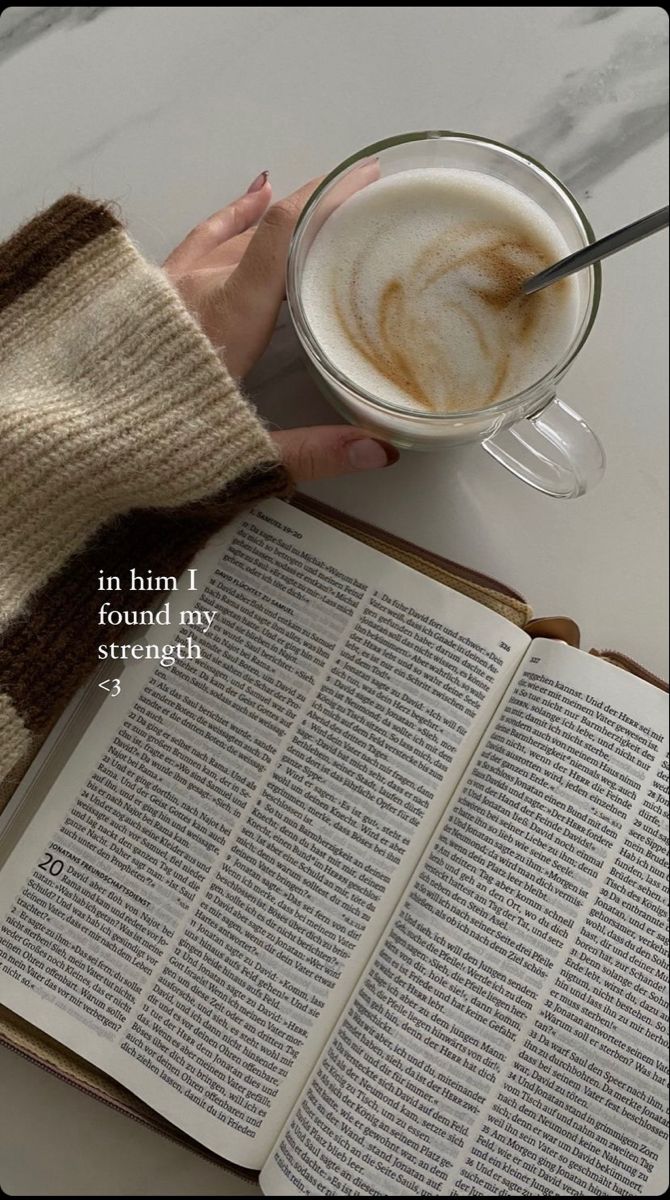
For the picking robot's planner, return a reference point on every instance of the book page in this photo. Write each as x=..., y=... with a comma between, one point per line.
x=192, y=906
x=510, y=1036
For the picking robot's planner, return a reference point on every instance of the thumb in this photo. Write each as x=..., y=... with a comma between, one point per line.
x=321, y=451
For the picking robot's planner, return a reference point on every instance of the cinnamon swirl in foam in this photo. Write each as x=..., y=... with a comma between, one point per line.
x=411, y=288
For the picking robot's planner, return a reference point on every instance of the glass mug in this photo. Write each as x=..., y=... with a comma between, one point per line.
x=533, y=434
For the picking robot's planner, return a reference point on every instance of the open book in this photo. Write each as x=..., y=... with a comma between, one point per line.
x=372, y=896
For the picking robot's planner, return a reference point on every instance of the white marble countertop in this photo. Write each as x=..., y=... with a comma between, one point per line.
x=172, y=111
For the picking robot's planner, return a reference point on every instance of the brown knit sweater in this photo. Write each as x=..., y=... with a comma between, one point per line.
x=123, y=442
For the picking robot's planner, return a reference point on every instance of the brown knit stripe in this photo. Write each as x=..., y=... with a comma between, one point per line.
x=16, y=766
x=50, y=648
x=48, y=240
x=14, y=737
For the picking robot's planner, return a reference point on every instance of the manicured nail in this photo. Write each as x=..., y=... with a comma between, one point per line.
x=259, y=182
x=366, y=454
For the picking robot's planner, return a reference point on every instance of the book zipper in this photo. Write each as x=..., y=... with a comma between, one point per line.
x=633, y=667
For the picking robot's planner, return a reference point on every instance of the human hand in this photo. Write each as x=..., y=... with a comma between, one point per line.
x=230, y=272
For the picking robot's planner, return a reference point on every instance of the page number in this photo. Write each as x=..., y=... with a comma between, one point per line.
x=113, y=686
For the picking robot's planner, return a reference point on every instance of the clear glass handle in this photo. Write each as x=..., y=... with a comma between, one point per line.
x=554, y=451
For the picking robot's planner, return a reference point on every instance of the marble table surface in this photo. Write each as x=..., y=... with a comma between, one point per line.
x=172, y=111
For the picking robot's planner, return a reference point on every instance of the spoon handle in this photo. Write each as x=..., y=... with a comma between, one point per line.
x=597, y=250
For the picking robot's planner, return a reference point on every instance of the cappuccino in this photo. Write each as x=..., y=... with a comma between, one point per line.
x=412, y=290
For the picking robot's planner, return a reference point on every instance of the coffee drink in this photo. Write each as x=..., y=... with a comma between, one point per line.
x=412, y=290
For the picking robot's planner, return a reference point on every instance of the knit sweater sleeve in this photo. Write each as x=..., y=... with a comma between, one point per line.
x=123, y=442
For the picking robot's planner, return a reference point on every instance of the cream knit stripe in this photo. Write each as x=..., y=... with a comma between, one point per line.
x=37, y=408
x=156, y=290
x=73, y=432
x=30, y=368
x=128, y=332
x=79, y=440
x=68, y=417
x=14, y=737
x=119, y=478
x=119, y=403
x=33, y=315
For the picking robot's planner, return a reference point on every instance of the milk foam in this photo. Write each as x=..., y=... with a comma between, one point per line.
x=411, y=288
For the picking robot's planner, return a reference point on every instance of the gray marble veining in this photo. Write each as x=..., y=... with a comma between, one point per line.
x=20, y=25
x=588, y=15
x=602, y=115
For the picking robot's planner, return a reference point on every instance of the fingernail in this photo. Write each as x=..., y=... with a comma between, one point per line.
x=259, y=182
x=366, y=454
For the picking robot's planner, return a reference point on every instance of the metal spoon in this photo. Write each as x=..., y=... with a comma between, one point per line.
x=597, y=250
